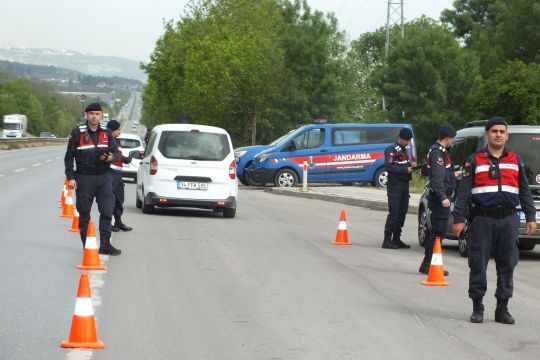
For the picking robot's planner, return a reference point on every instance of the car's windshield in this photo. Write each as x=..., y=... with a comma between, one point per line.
x=129, y=143
x=286, y=138
x=278, y=140
x=189, y=145
x=11, y=126
x=528, y=147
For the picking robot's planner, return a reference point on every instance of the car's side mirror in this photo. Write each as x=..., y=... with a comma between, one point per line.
x=290, y=146
x=136, y=154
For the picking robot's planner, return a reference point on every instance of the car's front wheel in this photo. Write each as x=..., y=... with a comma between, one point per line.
x=146, y=208
x=526, y=245
x=423, y=230
x=381, y=178
x=286, y=178
x=138, y=202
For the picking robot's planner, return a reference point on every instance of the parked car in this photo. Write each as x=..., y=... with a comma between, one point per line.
x=525, y=140
x=187, y=165
x=244, y=159
x=129, y=143
x=337, y=153
x=45, y=134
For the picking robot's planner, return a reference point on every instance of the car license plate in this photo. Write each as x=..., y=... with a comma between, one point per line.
x=522, y=215
x=191, y=185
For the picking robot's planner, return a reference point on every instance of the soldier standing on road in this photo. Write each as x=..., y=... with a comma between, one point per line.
x=117, y=182
x=93, y=148
x=495, y=181
x=442, y=179
x=399, y=168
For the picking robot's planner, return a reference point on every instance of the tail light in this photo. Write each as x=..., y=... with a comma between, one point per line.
x=232, y=170
x=153, y=165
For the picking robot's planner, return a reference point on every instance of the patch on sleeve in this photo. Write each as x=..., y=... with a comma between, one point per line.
x=466, y=169
x=440, y=161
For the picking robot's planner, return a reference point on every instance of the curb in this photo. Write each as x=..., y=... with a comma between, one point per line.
x=372, y=204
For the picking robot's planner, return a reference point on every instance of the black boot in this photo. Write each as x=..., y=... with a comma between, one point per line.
x=119, y=225
x=501, y=313
x=478, y=311
x=105, y=247
x=387, y=242
x=424, y=266
x=397, y=240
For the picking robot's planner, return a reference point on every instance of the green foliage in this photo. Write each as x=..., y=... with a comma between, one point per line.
x=512, y=91
x=256, y=68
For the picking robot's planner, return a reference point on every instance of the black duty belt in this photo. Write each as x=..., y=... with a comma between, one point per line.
x=498, y=213
x=92, y=171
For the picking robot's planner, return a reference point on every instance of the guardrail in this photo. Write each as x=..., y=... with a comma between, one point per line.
x=25, y=142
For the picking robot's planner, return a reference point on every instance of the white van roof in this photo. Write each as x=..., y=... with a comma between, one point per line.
x=189, y=127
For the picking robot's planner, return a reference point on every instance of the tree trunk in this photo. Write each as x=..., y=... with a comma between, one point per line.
x=254, y=129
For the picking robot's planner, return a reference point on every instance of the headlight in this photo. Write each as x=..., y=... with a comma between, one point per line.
x=263, y=158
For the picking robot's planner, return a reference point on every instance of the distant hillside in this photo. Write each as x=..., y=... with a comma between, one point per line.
x=85, y=63
x=65, y=79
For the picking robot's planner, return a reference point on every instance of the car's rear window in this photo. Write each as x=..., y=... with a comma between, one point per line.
x=528, y=147
x=128, y=143
x=188, y=145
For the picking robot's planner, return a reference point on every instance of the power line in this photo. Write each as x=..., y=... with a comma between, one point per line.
x=355, y=14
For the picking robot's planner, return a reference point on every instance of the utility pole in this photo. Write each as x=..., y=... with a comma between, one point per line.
x=394, y=17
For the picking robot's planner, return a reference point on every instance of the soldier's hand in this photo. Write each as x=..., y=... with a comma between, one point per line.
x=457, y=174
x=531, y=227
x=107, y=157
x=414, y=164
x=457, y=229
x=410, y=169
x=445, y=203
x=72, y=184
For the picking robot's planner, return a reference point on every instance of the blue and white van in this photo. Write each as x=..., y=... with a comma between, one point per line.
x=336, y=153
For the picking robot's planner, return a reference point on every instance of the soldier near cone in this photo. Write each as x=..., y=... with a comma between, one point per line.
x=494, y=183
x=442, y=180
x=399, y=168
x=92, y=147
x=117, y=182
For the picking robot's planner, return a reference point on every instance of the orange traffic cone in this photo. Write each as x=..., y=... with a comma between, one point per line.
x=68, y=208
x=62, y=195
x=83, y=325
x=75, y=222
x=90, y=260
x=436, y=269
x=63, y=198
x=342, y=238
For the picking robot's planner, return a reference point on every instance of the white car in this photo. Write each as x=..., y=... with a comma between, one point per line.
x=187, y=165
x=129, y=143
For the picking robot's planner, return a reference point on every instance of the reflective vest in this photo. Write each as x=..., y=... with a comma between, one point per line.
x=87, y=151
x=117, y=164
x=503, y=190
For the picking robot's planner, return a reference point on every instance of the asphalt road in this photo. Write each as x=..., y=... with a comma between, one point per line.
x=266, y=285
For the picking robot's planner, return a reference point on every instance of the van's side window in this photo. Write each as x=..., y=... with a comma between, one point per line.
x=343, y=137
x=310, y=139
x=471, y=146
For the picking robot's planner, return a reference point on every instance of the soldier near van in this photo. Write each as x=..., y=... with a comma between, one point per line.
x=92, y=147
x=442, y=180
x=494, y=183
x=117, y=182
x=399, y=168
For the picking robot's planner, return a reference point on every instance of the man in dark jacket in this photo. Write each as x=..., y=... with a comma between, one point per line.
x=442, y=180
x=494, y=183
x=399, y=168
x=92, y=147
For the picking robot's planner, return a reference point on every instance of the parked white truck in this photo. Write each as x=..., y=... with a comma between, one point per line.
x=14, y=125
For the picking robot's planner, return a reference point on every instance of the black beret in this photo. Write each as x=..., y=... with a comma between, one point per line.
x=93, y=107
x=113, y=125
x=405, y=134
x=496, y=120
x=447, y=130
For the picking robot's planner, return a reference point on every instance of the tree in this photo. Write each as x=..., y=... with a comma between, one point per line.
x=497, y=30
x=427, y=78
x=513, y=91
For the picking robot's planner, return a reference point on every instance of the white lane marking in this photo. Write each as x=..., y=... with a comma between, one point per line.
x=1, y=175
x=19, y=170
x=56, y=158
x=37, y=164
x=80, y=354
x=48, y=160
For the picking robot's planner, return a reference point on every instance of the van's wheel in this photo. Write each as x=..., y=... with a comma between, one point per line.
x=381, y=177
x=229, y=212
x=243, y=180
x=286, y=178
x=423, y=230
x=138, y=202
x=526, y=245
x=146, y=208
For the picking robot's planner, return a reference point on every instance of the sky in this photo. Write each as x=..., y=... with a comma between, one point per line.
x=129, y=29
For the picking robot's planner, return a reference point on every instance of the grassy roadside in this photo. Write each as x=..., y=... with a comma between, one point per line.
x=417, y=183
